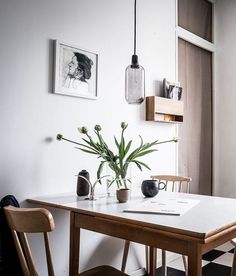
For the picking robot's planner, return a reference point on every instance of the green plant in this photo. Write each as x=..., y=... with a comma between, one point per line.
x=119, y=161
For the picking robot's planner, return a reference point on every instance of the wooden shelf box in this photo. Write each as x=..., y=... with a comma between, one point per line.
x=161, y=109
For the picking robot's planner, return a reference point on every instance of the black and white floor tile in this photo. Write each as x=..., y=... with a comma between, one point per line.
x=217, y=262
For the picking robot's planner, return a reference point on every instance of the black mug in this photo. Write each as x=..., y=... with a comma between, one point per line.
x=150, y=188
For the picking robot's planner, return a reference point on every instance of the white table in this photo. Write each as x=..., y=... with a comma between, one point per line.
x=209, y=224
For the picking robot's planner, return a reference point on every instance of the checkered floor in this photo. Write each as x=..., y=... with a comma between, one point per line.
x=217, y=262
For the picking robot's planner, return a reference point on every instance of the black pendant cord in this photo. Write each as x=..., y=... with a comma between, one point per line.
x=135, y=27
x=134, y=62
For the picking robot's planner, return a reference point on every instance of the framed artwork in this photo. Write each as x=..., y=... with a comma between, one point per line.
x=75, y=71
x=172, y=90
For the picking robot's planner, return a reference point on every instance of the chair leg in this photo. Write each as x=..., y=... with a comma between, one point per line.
x=233, y=270
x=152, y=260
x=147, y=259
x=185, y=265
x=125, y=255
x=163, y=259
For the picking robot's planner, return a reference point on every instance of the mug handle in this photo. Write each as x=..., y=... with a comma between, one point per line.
x=161, y=183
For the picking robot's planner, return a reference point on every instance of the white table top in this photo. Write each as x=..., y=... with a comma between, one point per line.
x=210, y=216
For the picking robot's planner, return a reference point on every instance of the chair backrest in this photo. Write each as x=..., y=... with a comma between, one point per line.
x=176, y=183
x=9, y=260
x=30, y=220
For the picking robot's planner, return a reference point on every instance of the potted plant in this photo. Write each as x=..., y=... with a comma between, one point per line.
x=120, y=160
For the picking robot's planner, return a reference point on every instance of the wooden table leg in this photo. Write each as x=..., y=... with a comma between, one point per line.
x=125, y=255
x=74, y=246
x=153, y=261
x=194, y=259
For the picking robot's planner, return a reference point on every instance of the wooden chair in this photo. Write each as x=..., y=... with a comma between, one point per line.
x=172, y=183
x=40, y=220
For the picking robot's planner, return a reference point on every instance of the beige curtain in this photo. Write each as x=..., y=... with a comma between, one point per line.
x=195, y=145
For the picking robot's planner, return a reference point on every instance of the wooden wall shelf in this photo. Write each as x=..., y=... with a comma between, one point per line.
x=160, y=109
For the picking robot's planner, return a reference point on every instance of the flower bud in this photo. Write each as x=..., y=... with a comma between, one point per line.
x=98, y=128
x=59, y=137
x=124, y=125
x=83, y=130
x=175, y=139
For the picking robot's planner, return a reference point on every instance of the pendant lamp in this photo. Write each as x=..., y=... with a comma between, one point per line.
x=134, y=75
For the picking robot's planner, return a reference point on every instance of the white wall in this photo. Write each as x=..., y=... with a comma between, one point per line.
x=225, y=99
x=32, y=162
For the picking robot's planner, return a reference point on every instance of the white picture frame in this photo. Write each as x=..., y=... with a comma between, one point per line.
x=75, y=71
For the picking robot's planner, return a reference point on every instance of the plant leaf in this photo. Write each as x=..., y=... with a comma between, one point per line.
x=121, y=149
x=138, y=165
x=127, y=147
x=89, y=143
x=88, y=151
x=99, y=171
x=88, y=147
x=144, y=165
x=110, y=183
x=142, y=153
x=116, y=142
x=130, y=157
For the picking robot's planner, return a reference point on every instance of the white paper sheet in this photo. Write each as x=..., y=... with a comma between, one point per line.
x=167, y=206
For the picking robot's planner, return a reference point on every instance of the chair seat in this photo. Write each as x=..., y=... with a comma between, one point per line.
x=103, y=270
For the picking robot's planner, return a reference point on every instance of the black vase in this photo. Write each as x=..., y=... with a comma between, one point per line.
x=82, y=184
x=150, y=188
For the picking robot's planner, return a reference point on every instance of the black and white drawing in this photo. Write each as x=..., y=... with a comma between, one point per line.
x=75, y=71
x=172, y=90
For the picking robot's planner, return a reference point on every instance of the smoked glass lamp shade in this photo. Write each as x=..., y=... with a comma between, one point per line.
x=134, y=82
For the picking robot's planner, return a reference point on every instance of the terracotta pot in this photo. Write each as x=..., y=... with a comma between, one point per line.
x=123, y=195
